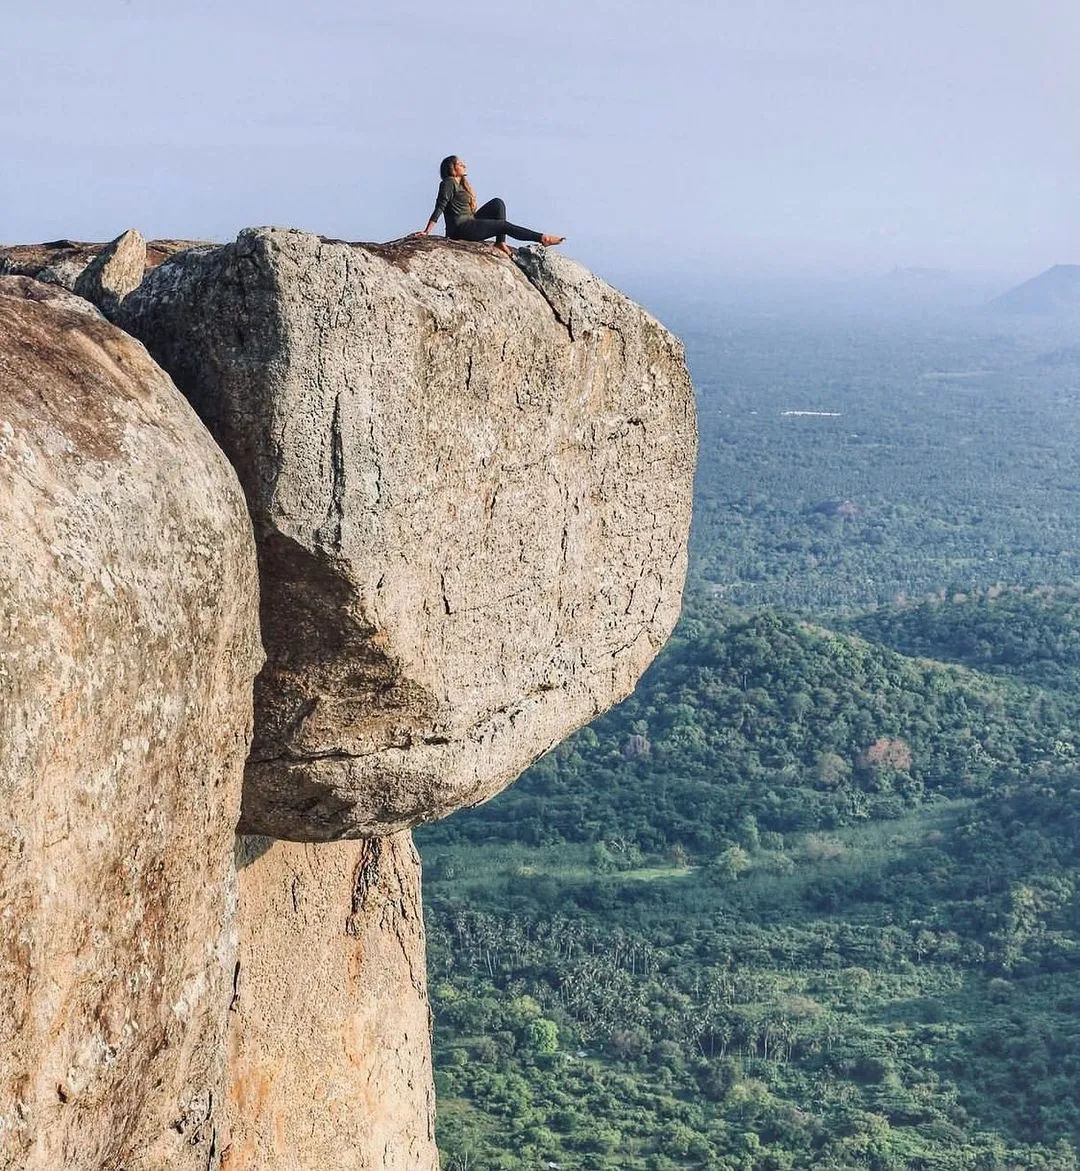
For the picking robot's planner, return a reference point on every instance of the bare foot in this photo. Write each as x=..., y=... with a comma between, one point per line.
x=547, y=241
x=504, y=248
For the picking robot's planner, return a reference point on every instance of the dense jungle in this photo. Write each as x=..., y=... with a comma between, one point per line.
x=808, y=898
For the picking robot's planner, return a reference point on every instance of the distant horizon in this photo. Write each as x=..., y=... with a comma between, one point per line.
x=595, y=251
x=1005, y=274
x=763, y=139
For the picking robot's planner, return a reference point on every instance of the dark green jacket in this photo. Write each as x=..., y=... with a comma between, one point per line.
x=453, y=201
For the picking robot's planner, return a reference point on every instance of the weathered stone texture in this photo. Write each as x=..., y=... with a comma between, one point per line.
x=117, y=270
x=329, y=1044
x=62, y=262
x=128, y=643
x=59, y=262
x=24, y=288
x=471, y=489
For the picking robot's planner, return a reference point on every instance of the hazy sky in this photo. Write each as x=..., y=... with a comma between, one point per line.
x=831, y=136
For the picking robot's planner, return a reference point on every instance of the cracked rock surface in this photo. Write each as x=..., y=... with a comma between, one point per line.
x=329, y=1037
x=470, y=481
x=128, y=644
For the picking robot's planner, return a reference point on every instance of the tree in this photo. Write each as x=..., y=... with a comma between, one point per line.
x=678, y=855
x=832, y=769
x=731, y=863
x=601, y=858
x=749, y=837
x=543, y=1036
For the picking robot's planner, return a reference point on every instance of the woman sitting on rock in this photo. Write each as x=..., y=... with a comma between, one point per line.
x=456, y=202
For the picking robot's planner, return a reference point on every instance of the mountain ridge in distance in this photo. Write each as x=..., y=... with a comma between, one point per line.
x=1053, y=293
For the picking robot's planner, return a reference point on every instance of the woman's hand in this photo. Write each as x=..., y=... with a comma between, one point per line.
x=426, y=231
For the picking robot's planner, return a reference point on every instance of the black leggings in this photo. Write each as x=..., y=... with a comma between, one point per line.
x=490, y=220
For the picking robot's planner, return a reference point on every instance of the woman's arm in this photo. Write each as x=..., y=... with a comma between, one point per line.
x=446, y=193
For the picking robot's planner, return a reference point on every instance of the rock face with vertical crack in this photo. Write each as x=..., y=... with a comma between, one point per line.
x=329, y=1048
x=128, y=645
x=470, y=481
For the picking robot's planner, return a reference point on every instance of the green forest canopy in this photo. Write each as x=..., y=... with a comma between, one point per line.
x=808, y=897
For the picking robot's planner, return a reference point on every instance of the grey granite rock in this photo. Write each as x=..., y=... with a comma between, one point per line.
x=59, y=262
x=117, y=270
x=470, y=482
x=62, y=262
x=329, y=1033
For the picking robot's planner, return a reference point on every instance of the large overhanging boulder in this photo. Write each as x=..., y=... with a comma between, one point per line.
x=470, y=481
x=128, y=645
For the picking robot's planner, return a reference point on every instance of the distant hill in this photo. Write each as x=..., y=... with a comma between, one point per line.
x=757, y=712
x=1054, y=293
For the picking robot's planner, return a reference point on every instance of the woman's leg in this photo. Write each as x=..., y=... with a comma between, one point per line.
x=494, y=209
x=518, y=233
x=483, y=228
x=490, y=220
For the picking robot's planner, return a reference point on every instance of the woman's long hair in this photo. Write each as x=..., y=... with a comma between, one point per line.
x=446, y=171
